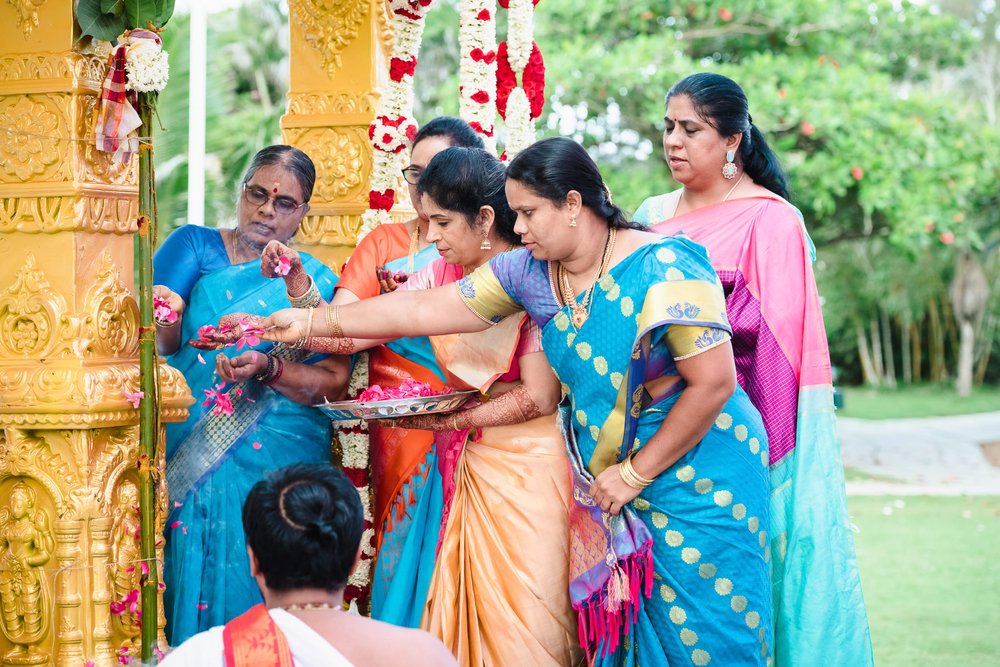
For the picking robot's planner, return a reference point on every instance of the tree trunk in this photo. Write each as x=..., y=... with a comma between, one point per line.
x=868, y=375
x=970, y=292
x=937, y=372
x=918, y=361
x=887, y=353
x=877, y=350
x=904, y=347
x=986, y=350
x=966, y=348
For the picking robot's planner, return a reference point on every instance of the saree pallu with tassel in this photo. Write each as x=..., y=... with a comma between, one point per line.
x=680, y=577
x=764, y=257
x=214, y=460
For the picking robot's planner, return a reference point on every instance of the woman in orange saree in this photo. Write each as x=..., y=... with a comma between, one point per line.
x=404, y=479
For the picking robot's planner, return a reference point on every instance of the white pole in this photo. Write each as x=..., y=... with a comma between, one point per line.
x=196, y=113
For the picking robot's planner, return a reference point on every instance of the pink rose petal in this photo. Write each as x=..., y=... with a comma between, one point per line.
x=134, y=397
x=184, y=530
x=201, y=359
x=202, y=606
x=257, y=445
x=175, y=524
x=178, y=504
x=283, y=267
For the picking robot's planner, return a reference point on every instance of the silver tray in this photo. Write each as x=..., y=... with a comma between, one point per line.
x=396, y=407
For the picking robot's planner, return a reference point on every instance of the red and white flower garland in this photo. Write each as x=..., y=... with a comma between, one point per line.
x=477, y=70
x=390, y=133
x=520, y=57
x=393, y=128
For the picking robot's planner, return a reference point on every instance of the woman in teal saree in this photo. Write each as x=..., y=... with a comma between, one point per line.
x=668, y=559
x=252, y=412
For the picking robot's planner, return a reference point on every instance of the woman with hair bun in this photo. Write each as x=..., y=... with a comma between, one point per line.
x=734, y=201
x=303, y=527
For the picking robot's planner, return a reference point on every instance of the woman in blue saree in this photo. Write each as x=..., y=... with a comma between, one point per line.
x=669, y=556
x=262, y=419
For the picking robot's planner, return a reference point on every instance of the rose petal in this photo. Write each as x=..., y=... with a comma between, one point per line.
x=257, y=445
x=175, y=524
x=202, y=606
x=134, y=397
x=201, y=359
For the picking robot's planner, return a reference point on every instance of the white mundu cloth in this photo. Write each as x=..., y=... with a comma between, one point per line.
x=308, y=648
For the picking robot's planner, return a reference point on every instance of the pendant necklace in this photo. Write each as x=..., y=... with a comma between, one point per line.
x=581, y=309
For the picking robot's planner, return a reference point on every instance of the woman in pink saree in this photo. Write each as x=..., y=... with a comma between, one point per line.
x=734, y=202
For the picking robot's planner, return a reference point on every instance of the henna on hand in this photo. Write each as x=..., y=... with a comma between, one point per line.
x=341, y=346
x=513, y=407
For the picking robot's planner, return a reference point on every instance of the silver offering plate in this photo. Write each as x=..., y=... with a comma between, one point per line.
x=395, y=407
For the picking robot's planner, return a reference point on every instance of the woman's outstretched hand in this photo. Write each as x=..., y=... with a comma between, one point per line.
x=230, y=330
x=278, y=260
x=435, y=422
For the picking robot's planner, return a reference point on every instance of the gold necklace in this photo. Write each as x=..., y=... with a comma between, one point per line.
x=312, y=606
x=738, y=181
x=581, y=310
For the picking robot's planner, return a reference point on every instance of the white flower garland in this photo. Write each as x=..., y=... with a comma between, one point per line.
x=520, y=40
x=477, y=67
x=520, y=124
x=393, y=127
x=146, y=67
x=391, y=133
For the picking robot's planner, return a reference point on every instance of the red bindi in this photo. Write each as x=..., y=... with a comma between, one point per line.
x=275, y=190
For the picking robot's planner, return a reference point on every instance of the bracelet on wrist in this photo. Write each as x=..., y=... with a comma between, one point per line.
x=267, y=374
x=309, y=299
x=630, y=476
x=279, y=368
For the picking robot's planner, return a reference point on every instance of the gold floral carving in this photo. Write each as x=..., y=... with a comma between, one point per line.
x=329, y=26
x=329, y=230
x=29, y=313
x=113, y=316
x=28, y=137
x=386, y=36
x=322, y=103
x=342, y=161
x=116, y=214
x=27, y=14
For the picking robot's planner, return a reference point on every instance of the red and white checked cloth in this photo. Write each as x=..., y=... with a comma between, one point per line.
x=117, y=120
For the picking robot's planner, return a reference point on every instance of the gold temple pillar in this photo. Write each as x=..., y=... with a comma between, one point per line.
x=69, y=440
x=339, y=60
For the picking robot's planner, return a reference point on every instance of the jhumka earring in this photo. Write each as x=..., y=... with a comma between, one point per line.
x=572, y=221
x=486, y=245
x=729, y=169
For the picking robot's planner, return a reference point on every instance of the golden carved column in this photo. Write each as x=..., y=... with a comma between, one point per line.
x=339, y=57
x=68, y=348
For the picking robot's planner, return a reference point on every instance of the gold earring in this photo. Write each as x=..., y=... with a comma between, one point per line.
x=572, y=221
x=486, y=245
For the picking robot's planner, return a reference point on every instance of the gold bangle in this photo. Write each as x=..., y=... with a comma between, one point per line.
x=309, y=323
x=333, y=322
x=308, y=299
x=630, y=476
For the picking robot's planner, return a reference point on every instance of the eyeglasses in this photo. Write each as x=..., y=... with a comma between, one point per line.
x=412, y=174
x=257, y=196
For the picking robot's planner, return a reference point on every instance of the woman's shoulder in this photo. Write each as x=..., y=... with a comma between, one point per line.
x=651, y=210
x=194, y=235
x=781, y=223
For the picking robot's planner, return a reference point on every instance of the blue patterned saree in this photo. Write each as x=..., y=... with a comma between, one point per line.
x=214, y=460
x=707, y=515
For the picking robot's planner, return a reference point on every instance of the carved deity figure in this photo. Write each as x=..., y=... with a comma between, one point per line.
x=26, y=545
x=126, y=555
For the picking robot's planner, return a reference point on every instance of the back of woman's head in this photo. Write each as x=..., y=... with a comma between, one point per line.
x=455, y=130
x=297, y=163
x=304, y=524
x=466, y=179
x=553, y=167
x=723, y=104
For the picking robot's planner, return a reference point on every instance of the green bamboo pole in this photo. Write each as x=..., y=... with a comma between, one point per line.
x=148, y=426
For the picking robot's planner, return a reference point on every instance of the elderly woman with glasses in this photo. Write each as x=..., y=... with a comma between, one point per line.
x=253, y=410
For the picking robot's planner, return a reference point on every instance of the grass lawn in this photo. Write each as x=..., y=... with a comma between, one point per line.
x=924, y=400
x=930, y=570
